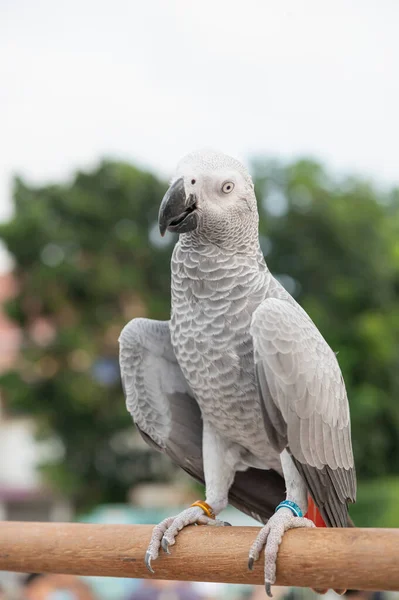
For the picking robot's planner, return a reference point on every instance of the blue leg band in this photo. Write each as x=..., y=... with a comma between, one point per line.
x=294, y=508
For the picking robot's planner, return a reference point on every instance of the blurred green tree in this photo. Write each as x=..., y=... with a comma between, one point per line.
x=88, y=258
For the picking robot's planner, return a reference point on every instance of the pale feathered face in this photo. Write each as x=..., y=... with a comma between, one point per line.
x=212, y=199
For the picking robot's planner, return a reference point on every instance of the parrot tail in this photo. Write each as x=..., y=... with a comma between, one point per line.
x=314, y=515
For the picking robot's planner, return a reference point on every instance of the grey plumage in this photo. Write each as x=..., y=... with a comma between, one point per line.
x=305, y=403
x=169, y=419
x=239, y=354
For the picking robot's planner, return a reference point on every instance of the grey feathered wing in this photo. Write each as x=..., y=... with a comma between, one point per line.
x=168, y=417
x=305, y=405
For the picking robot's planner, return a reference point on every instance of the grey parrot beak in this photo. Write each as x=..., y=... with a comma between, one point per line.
x=178, y=213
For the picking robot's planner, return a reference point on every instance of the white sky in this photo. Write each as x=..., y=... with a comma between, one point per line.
x=152, y=80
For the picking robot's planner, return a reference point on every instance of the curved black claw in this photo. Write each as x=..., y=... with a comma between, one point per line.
x=268, y=588
x=147, y=561
x=226, y=524
x=165, y=545
x=251, y=564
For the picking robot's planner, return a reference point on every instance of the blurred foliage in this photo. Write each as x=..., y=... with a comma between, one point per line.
x=377, y=503
x=88, y=258
x=85, y=267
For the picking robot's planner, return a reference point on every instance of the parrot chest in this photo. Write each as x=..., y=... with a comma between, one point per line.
x=210, y=334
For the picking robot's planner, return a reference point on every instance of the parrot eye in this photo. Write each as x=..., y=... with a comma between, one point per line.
x=227, y=187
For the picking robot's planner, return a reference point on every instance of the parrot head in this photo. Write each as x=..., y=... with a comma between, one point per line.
x=212, y=198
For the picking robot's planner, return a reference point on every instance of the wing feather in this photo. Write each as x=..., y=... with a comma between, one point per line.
x=305, y=403
x=169, y=419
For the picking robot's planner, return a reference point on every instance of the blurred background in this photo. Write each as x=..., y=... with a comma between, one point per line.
x=98, y=102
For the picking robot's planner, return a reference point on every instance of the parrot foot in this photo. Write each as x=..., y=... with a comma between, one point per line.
x=270, y=537
x=164, y=534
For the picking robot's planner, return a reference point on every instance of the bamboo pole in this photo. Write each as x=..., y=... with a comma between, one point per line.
x=319, y=558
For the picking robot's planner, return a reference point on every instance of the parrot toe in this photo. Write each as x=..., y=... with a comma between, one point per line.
x=155, y=543
x=165, y=545
x=148, y=562
x=270, y=537
x=164, y=534
x=268, y=588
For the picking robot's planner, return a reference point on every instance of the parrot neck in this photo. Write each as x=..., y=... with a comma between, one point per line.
x=205, y=271
x=199, y=242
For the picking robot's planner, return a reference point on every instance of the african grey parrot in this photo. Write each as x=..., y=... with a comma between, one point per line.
x=239, y=388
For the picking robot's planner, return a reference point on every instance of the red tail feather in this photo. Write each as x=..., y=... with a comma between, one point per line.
x=313, y=514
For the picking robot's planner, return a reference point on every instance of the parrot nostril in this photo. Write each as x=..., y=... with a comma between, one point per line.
x=192, y=181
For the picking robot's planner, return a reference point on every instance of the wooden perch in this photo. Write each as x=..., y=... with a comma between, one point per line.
x=320, y=558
